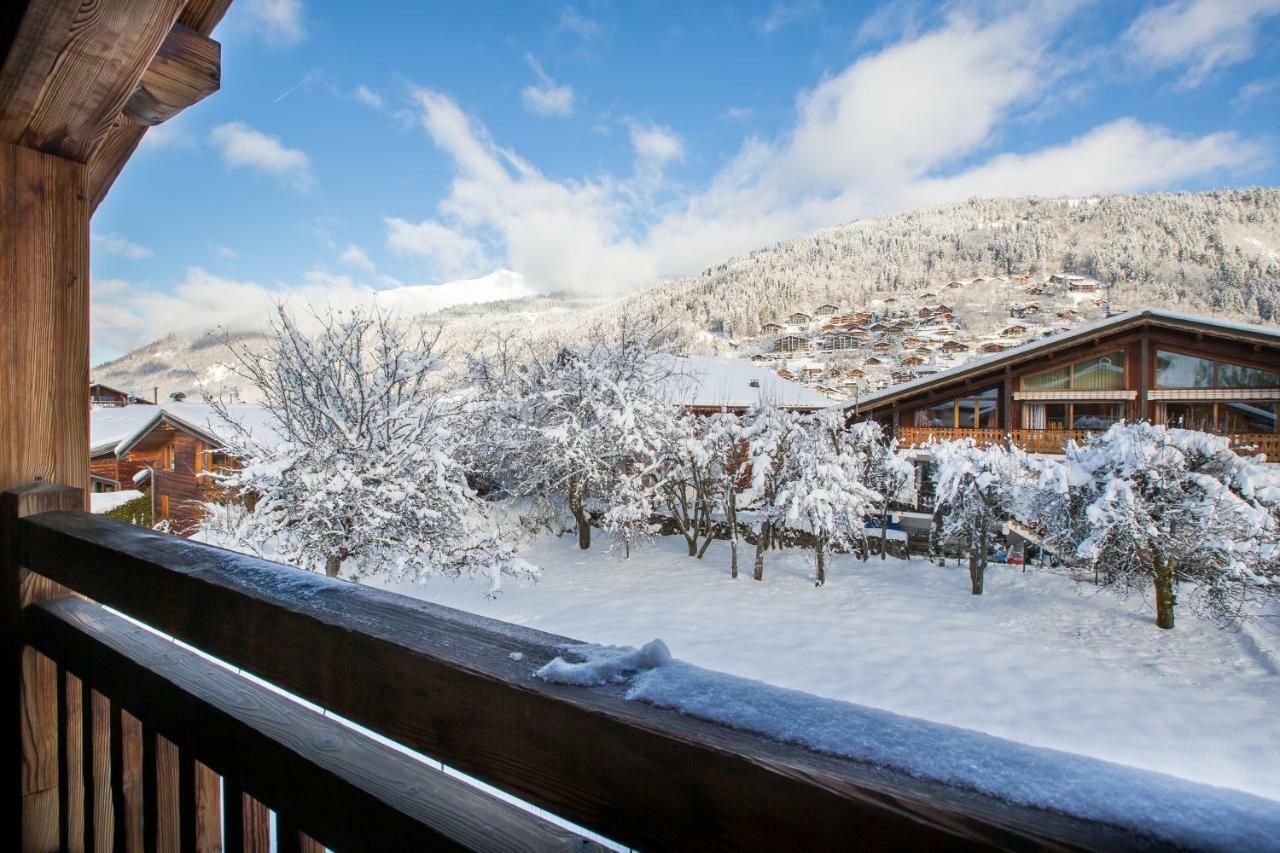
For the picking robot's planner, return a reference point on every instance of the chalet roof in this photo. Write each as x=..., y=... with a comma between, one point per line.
x=707, y=382
x=203, y=421
x=1136, y=317
x=108, y=427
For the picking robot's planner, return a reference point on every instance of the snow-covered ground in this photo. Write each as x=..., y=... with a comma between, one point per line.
x=1036, y=659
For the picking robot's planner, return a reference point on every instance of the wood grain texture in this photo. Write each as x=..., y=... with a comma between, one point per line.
x=31, y=707
x=185, y=70
x=347, y=790
x=73, y=66
x=443, y=683
x=44, y=319
x=123, y=138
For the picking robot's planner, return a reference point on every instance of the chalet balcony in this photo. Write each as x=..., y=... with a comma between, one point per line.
x=1054, y=441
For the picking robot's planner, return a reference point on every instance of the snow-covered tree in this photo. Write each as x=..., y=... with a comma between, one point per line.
x=355, y=467
x=1151, y=507
x=820, y=492
x=884, y=467
x=699, y=471
x=577, y=428
x=768, y=433
x=977, y=488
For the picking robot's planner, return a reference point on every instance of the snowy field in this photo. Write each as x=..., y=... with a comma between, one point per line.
x=1037, y=659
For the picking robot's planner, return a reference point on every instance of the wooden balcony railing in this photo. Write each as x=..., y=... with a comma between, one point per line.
x=1055, y=440
x=131, y=741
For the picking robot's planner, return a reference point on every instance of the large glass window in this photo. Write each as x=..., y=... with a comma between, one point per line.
x=1190, y=416
x=1235, y=417
x=1100, y=373
x=1104, y=373
x=977, y=411
x=1240, y=376
x=1095, y=415
x=1179, y=370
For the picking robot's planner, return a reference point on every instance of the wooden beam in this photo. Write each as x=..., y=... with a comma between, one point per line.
x=30, y=719
x=44, y=319
x=186, y=70
x=71, y=68
x=122, y=140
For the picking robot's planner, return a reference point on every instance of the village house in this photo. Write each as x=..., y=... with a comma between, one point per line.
x=104, y=396
x=991, y=347
x=826, y=310
x=1148, y=364
x=791, y=343
x=771, y=329
x=799, y=318
x=1013, y=331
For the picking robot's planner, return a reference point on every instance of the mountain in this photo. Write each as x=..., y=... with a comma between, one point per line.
x=1214, y=252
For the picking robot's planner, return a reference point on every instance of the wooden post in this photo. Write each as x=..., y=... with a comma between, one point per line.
x=31, y=709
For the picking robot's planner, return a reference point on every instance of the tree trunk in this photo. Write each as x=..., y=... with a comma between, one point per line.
x=731, y=516
x=820, y=551
x=762, y=542
x=978, y=562
x=333, y=565
x=884, y=532
x=1165, y=597
x=584, y=526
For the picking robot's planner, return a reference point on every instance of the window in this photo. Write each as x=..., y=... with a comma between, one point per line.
x=1101, y=373
x=1251, y=416
x=1190, y=416
x=1095, y=415
x=1178, y=370
x=1240, y=376
x=976, y=411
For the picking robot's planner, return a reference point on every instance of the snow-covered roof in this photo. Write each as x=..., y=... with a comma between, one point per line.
x=707, y=382
x=1015, y=353
x=109, y=426
x=202, y=419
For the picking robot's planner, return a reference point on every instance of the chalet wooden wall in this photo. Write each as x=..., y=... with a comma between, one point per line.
x=44, y=319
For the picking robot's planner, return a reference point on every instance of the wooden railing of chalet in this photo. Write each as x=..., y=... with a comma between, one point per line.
x=127, y=734
x=1055, y=440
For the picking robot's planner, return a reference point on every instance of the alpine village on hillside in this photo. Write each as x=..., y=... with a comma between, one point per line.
x=875, y=446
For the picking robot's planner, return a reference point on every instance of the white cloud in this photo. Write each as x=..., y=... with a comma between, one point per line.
x=450, y=252
x=278, y=22
x=785, y=12
x=242, y=145
x=226, y=252
x=914, y=123
x=738, y=114
x=368, y=97
x=117, y=245
x=170, y=134
x=126, y=315
x=1203, y=35
x=357, y=258
x=546, y=97
x=1254, y=92
x=573, y=21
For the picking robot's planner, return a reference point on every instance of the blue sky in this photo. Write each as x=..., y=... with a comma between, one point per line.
x=598, y=145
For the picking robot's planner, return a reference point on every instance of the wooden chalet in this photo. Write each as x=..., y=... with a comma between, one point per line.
x=770, y=329
x=1174, y=369
x=791, y=343
x=1016, y=330
x=826, y=310
x=992, y=347
x=104, y=396
x=166, y=695
x=799, y=318
x=178, y=458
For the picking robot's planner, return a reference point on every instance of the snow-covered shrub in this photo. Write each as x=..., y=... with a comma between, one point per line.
x=700, y=474
x=359, y=467
x=1148, y=506
x=820, y=492
x=977, y=487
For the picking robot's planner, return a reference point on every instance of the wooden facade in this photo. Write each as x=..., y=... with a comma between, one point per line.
x=1145, y=365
